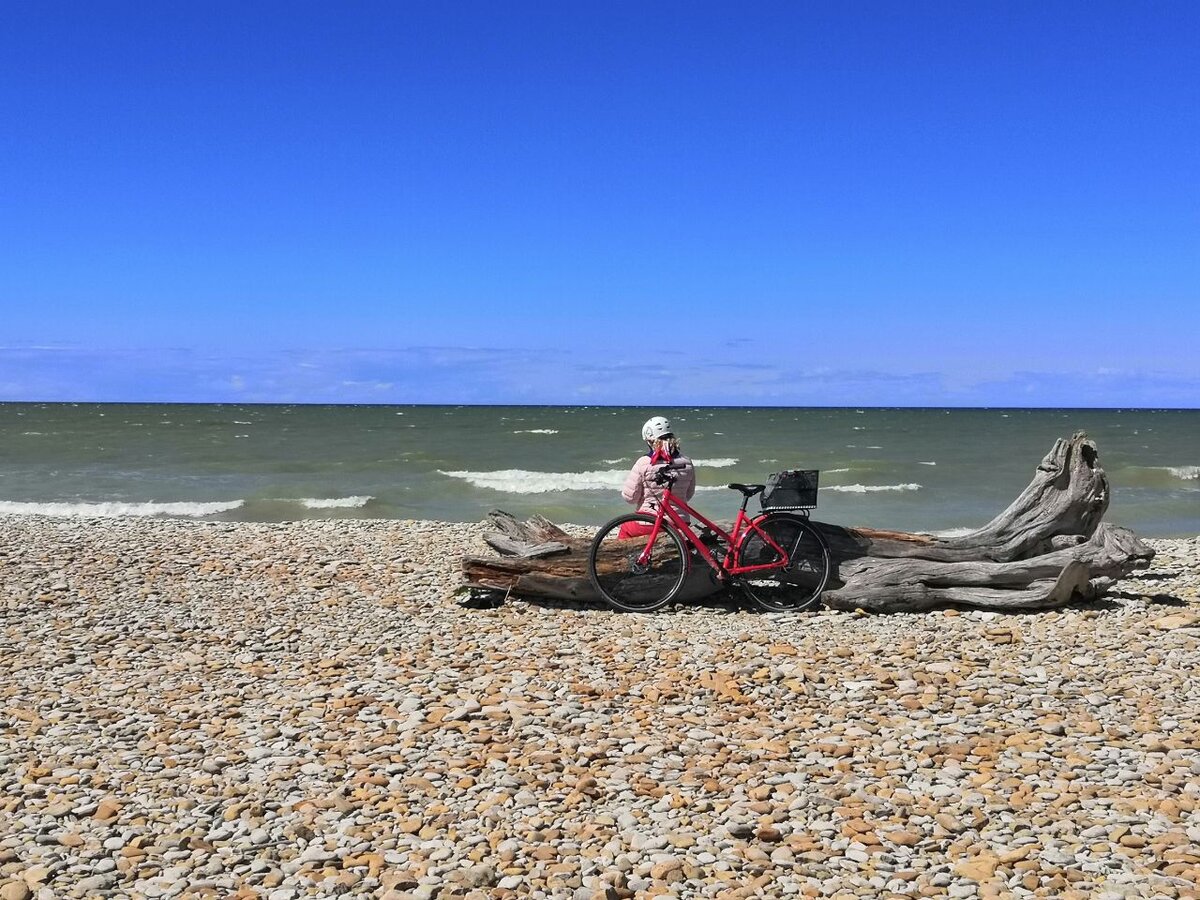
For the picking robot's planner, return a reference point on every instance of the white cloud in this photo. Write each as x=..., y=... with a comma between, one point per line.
x=494, y=375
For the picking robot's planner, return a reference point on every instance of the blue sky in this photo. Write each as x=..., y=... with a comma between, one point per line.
x=873, y=203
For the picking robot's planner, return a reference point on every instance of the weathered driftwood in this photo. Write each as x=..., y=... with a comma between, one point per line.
x=560, y=576
x=1049, y=547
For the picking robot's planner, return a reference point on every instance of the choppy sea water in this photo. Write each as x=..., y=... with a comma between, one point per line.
x=913, y=469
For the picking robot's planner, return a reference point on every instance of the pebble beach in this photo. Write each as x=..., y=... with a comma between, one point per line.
x=304, y=710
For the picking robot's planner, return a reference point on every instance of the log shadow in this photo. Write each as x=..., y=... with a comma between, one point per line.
x=1100, y=603
x=1167, y=600
x=728, y=601
x=1155, y=599
x=731, y=601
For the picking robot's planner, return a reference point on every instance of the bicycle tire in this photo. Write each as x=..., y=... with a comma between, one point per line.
x=796, y=586
x=626, y=586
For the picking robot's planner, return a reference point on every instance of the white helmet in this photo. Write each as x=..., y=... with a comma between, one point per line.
x=655, y=428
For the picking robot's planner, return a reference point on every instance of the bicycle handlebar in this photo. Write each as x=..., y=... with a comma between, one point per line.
x=665, y=475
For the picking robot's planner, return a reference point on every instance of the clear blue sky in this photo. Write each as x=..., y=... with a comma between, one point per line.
x=864, y=203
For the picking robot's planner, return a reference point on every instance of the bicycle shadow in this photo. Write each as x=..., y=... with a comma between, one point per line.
x=731, y=601
x=725, y=602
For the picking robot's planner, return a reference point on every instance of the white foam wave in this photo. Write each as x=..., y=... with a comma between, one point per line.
x=927, y=464
x=952, y=532
x=1188, y=473
x=537, y=431
x=355, y=502
x=31, y=433
x=613, y=462
x=521, y=481
x=720, y=463
x=871, y=488
x=833, y=471
x=115, y=509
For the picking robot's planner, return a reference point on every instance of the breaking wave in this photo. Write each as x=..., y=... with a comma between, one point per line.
x=871, y=488
x=1158, y=476
x=722, y=463
x=522, y=481
x=537, y=431
x=952, y=532
x=114, y=509
x=355, y=502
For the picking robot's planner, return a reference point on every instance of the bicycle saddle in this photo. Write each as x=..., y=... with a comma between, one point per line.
x=748, y=489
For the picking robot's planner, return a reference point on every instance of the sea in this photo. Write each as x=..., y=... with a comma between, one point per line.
x=933, y=470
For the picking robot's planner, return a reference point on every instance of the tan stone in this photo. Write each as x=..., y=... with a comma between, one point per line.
x=1016, y=854
x=660, y=871
x=948, y=822
x=1177, y=620
x=15, y=890
x=979, y=868
x=107, y=809
x=35, y=875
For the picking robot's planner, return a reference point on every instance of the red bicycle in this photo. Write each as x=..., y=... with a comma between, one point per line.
x=777, y=558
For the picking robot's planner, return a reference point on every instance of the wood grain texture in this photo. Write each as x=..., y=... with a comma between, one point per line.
x=1048, y=548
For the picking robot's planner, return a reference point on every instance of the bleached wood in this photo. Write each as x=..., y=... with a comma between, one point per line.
x=1048, y=548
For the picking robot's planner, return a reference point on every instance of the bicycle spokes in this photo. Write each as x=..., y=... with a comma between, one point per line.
x=637, y=574
x=799, y=582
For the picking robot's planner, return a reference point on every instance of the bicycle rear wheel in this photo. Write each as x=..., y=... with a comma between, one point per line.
x=793, y=587
x=628, y=585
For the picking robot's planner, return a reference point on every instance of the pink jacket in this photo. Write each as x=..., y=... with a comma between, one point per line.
x=642, y=492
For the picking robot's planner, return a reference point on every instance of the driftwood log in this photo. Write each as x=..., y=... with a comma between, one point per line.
x=1048, y=548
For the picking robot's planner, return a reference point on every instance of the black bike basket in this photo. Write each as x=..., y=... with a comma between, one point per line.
x=794, y=489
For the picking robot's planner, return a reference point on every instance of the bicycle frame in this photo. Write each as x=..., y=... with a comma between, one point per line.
x=742, y=525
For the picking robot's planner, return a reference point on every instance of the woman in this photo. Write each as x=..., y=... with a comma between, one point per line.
x=640, y=489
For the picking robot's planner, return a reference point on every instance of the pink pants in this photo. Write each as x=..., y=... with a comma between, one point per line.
x=634, y=529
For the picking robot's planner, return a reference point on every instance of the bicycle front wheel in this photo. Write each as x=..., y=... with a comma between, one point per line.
x=626, y=583
x=796, y=585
